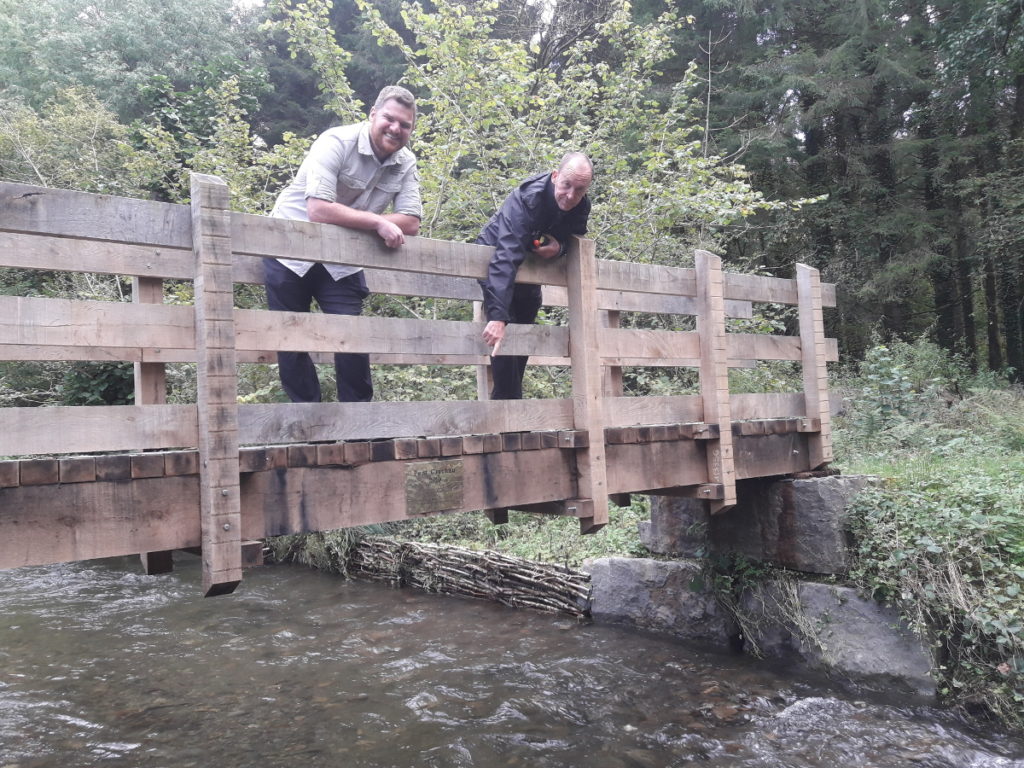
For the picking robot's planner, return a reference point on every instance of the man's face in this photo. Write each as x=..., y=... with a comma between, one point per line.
x=390, y=127
x=571, y=184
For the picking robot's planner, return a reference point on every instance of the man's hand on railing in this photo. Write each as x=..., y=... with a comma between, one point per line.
x=390, y=233
x=493, y=333
x=546, y=246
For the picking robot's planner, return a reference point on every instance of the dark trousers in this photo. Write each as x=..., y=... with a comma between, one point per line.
x=287, y=291
x=508, y=370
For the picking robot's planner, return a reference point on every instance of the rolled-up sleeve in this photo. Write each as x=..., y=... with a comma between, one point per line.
x=408, y=200
x=321, y=168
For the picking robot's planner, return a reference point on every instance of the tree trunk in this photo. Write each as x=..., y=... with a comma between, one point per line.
x=995, y=352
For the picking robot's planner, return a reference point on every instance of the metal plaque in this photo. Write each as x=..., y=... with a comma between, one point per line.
x=433, y=486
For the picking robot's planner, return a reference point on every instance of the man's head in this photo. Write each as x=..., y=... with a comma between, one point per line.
x=572, y=180
x=391, y=120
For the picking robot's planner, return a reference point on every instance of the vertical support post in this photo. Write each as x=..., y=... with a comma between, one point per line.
x=613, y=373
x=484, y=377
x=217, y=396
x=812, y=346
x=587, y=402
x=714, y=377
x=151, y=389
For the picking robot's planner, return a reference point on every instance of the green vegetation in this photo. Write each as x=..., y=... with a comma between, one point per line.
x=902, y=122
x=943, y=537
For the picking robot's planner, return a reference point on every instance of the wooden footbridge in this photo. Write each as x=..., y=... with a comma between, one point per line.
x=98, y=481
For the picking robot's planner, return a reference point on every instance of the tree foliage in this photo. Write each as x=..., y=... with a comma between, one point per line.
x=492, y=113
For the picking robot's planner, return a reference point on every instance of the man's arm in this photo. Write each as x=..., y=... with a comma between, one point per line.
x=392, y=227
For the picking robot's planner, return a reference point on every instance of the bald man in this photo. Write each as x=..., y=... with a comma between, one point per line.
x=538, y=218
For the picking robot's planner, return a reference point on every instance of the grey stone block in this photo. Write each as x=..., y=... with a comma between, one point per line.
x=663, y=596
x=678, y=526
x=832, y=629
x=797, y=524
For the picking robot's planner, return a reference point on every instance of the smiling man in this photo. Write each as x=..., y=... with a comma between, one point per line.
x=350, y=177
x=538, y=218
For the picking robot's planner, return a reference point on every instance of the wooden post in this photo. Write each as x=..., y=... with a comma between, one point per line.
x=484, y=378
x=714, y=377
x=588, y=405
x=151, y=389
x=613, y=374
x=217, y=396
x=812, y=347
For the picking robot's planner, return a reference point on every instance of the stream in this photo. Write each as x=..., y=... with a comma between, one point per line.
x=101, y=665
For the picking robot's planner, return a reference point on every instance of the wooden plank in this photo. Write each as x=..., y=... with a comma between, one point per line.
x=264, y=424
x=496, y=516
x=714, y=377
x=315, y=332
x=428, y=447
x=62, y=322
x=181, y=463
x=67, y=254
x=330, y=455
x=634, y=467
x=588, y=403
x=772, y=405
x=382, y=450
x=78, y=469
x=754, y=346
x=773, y=290
x=630, y=411
x=147, y=465
x=101, y=519
x=768, y=455
x=10, y=473
x=648, y=303
x=639, y=345
x=357, y=453
x=84, y=429
x=406, y=448
x=150, y=378
x=42, y=210
x=452, y=446
x=529, y=441
x=302, y=455
x=40, y=472
x=113, y=468
x=473, y=444
x=217, y=388
x=511, y=441
x=311, y=499
x=613, y=386
x=706, y=491
x=815, y=372
x=156, y=563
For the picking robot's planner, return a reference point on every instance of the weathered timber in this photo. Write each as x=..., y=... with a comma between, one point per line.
x=318, y=462
x=588, y=403
x=217, y=404
x=814, y=354
x=714, y=378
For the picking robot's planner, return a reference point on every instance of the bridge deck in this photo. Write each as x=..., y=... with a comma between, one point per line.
x=94, y=481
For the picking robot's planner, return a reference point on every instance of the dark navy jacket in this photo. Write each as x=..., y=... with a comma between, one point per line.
x=530, y=210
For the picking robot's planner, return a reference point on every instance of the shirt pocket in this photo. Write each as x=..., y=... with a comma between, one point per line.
x=350, y=188
x=383, y=193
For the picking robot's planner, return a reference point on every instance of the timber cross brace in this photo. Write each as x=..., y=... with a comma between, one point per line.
x=85, y=482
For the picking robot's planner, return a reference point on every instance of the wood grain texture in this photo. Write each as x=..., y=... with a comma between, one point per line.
x=217, y=388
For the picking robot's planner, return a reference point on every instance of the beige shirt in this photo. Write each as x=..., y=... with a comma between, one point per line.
x=342, y=168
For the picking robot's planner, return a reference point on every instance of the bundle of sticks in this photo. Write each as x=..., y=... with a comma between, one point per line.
x=489, y=575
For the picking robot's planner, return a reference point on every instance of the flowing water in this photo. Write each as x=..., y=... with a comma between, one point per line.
x=103, y=666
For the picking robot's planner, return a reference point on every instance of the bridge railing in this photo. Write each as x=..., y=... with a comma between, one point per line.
x=206, y=243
